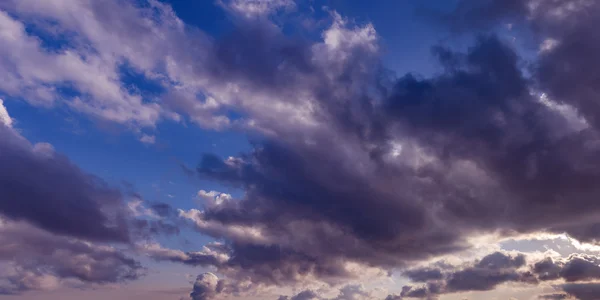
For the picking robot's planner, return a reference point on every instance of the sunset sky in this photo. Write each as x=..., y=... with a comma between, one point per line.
x=299, y=150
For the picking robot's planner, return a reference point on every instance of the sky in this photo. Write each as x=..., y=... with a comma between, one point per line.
x=299, y=149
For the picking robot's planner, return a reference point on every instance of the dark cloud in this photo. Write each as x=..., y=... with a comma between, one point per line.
x=56, y=222
x=44, y=188
x=305, y=295
x=423, y=275
x=564, y=32
x=358, y=166
x=499, y=268
x=553, y=296
x=575, y=268
x=348, y=292
x=38, y=260
x=547, y=269
x=399, y=170
x=482, y=275
x=582, y=291
x=494, y=163
x=565, y=71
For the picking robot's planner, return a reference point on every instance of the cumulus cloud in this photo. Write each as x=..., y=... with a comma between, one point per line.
x=205, y=287
x=577, y=270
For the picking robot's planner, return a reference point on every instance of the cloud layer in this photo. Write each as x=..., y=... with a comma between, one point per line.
x=357, y=171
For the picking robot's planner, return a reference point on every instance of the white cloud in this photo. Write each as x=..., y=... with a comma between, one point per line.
x=257, y=8
x=4, y=116
x=213, y=198
x=148, y=139
x=548, y=44
x=89, y=65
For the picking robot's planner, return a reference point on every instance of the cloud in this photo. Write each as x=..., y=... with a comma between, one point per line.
x=553, y=296
x=386, y=172
x=148, y=139
x=482, y=275
x=348, y=292
x=34, y=259
x=60, y=226
x=468, y=150
x=575, y=268
x=355, y=170
x=4, y=117
x=564, y=31
x=44, y=188
x=38, y=75
x=205, y=287
x=501, y=268
x=582, y=291
x=256, y=8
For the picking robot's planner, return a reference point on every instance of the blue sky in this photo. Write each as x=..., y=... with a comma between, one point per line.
x=300, y=150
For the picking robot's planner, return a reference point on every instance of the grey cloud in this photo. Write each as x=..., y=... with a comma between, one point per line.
x=348, y=292
x=553, y=296
x=209, y=256
x=305, y=295
x=482, y=275
x=206, y=287
x=479, y=113
x=423, y=275
x=567, y=27
x=582, y=291
x=41, y=260
x=499, y=268
x=479, y=152
x=44, y=188
x=547, y=269
x=575, y=268
x=357, y=166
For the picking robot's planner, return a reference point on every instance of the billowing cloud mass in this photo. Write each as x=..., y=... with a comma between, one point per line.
x=44, y=188
x=357, y=172
x=34, y=259
x=205, y=287
x=55, y=220
x=578, y=271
